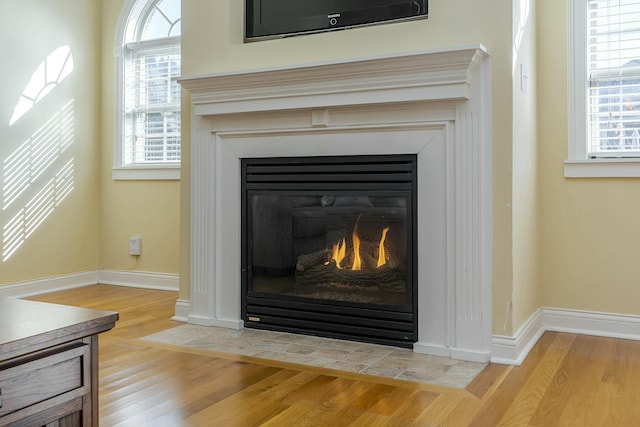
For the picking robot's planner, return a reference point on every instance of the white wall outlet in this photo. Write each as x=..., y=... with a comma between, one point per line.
x=135, y=245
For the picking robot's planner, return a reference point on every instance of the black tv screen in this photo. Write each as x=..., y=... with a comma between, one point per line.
x=281, y=18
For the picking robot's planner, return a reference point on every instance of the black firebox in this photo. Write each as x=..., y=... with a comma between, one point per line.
x=329, y=246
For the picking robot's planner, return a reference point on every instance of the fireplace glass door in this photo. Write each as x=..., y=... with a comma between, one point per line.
x=328, y=246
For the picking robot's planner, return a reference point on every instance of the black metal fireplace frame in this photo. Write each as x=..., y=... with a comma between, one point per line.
x=346, y=175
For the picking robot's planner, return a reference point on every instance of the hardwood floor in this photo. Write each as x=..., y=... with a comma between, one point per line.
x=567, y=380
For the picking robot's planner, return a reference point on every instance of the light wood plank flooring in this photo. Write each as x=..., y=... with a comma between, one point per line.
x=567, y=380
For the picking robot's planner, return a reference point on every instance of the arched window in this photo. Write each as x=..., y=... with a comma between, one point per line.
x=148, y=125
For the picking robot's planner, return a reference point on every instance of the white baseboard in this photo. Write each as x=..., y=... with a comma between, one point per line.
x=160, y=281
x=513, y=350
x=49, y=284
x=592, y=323
x=433, y=350
x=470, y=356
x=508, y=350
x=183, y=308
x=140, y=279
x=222, y=323
x=454, y=353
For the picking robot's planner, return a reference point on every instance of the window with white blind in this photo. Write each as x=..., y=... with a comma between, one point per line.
x=604, y=88
x=148, y=103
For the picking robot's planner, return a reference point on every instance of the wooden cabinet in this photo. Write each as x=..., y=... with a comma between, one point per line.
x=49, y=363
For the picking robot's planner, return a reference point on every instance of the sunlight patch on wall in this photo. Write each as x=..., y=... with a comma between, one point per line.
x=33, y=157
x=64, y=182
x=19, y=228
x=53, y=70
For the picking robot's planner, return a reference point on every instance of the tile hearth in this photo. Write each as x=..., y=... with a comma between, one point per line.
x=369, y=359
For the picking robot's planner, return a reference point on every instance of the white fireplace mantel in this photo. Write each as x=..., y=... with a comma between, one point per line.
x=435, y=104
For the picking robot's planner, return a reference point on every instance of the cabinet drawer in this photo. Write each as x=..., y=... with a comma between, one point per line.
x=44, y=376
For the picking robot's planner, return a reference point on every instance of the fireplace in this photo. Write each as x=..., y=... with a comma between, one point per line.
x=433, y=105
x=328, y=248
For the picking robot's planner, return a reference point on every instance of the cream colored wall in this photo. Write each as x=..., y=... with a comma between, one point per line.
x=212, y=41
x=149, y=209
x=525, y=205
x=66, y=241
x=589, y=227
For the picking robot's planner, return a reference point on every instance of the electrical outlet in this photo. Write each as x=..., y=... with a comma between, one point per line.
x=135, y=245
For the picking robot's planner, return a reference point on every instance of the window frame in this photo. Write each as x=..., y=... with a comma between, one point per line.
x=134, y=12
x=578, y=165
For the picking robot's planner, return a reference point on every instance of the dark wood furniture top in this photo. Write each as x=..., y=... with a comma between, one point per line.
x=49, y=363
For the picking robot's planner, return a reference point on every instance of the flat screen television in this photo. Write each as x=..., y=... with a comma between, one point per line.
x=281, y=18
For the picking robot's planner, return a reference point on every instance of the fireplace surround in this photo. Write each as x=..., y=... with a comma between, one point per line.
x=433, y=104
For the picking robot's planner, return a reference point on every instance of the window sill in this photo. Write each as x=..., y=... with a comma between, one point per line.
x=149, y=173
x=602, y=168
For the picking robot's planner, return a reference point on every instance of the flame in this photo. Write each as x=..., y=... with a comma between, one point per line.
x=357, y=263
x=339, y=252
x=381, y=253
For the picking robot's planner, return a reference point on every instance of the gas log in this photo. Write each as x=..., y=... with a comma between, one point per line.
x=307, y=261
x=387, y=277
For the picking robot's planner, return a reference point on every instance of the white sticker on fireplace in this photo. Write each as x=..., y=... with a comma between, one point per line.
x=432, y=103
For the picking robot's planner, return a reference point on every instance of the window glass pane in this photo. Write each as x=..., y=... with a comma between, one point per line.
x=171, y=9
x=156, y=27
x=157, y=137
x=163, y=20
x=153, y=149
x=176, y=90
x=613, y=61
x=155, y=76
x=154, y=124
x=173, y=122
x=173, y=148
x=156, y=80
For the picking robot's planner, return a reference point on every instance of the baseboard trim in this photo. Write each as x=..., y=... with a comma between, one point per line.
x=140, y=279
x=183, y=308
x=470, y=356
x=513, y=350
x=222, y=323
x=454, y=353
x=433, y=350
x=592, y=323
x=49, y=284
x=134, y=279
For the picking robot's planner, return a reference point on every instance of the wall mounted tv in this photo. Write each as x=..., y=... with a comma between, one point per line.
x=282, y=18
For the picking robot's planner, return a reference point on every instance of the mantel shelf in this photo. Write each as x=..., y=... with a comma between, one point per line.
x=413, y=76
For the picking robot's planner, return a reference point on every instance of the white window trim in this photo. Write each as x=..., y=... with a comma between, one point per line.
x=578, y=165
x=169, y=171
x=154, y=172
